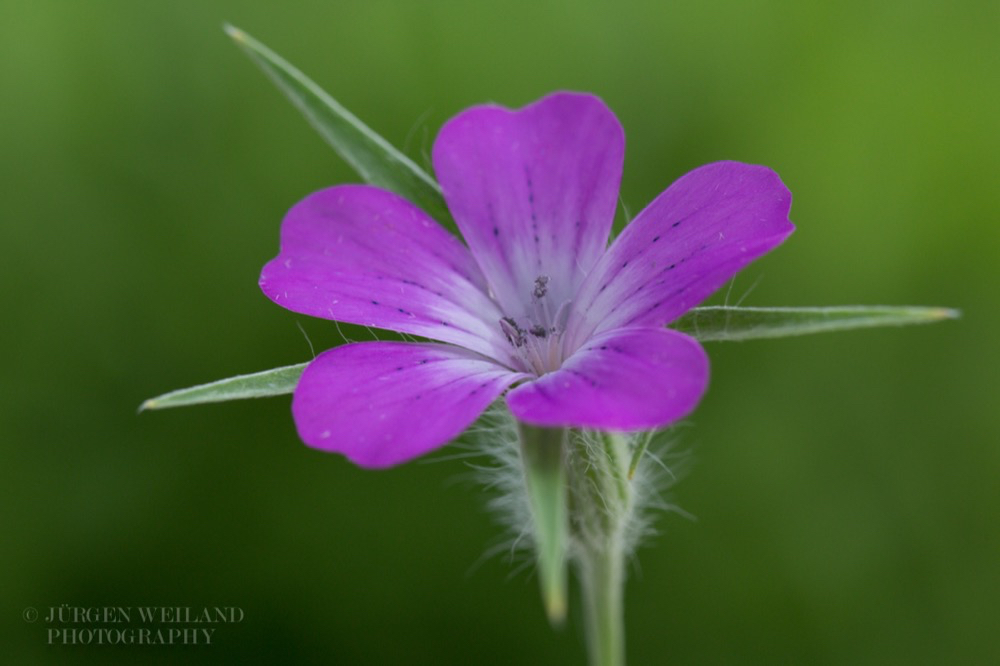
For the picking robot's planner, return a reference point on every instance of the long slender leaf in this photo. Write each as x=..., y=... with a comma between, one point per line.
x=277, y=381
x=374, y=158
x=733, y=323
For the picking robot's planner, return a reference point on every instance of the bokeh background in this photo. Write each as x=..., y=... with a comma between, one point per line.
x=845, y=486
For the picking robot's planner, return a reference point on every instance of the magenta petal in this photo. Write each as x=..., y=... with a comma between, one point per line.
x=382, y=403
x=626, y=379
x=533, y=190
x=686, y=244
x=362, y=255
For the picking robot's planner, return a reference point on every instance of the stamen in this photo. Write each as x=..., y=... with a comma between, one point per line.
x=562, y=316
x=515, y=335
x=535, y=335
x=542, y=314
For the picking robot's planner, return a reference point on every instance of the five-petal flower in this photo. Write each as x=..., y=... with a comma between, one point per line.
x=536, y=301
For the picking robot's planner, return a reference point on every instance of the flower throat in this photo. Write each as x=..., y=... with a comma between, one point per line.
x=537, y=337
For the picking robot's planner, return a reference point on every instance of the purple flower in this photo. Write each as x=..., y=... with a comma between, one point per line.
x=536, y=304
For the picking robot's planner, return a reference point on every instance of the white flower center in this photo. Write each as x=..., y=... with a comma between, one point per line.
x=537, y=337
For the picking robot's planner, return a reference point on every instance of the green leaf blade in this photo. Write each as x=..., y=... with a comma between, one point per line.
x=725, y=323
x=374, y=158
x=277, y=381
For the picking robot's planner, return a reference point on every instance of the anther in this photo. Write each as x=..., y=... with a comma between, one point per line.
x=541, y=286
x=515, y=335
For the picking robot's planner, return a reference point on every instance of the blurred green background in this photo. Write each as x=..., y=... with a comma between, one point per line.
x=845, y=486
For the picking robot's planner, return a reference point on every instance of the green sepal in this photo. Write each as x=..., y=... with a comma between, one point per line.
x=277, y=381
x=708, y=324
x=374, y=158
x=718, y=323
x=543, y=454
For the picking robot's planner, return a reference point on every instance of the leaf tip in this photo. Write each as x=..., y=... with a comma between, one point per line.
x=938, y=314
x=235, y=33
x=147, y=404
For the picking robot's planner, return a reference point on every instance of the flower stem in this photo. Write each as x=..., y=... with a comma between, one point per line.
x=602, y=582
x=602, y=503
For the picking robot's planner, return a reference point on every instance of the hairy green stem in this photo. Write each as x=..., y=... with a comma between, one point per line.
x=602, y=503
x=602, y=582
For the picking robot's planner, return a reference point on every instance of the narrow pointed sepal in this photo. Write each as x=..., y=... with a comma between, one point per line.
x=728, y=323
x=277, y=381
x=543, y=454
x=370, y=155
